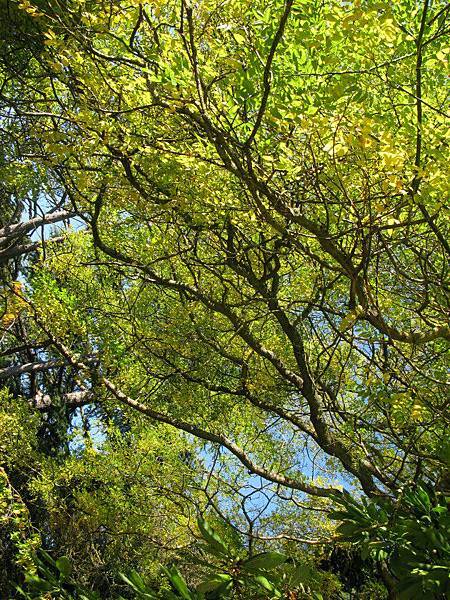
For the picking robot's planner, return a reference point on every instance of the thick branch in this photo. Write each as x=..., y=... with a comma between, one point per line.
x=268, y=71
x=34, y=367
x=10, y=232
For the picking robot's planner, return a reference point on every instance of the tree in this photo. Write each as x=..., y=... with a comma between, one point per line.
x=264, y=259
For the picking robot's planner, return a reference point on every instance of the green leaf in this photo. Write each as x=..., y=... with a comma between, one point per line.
x=220, y=591
x=39, y=584
x=64, y=566
x=212, y=537
x=266, y=584
x=266, y=561
x=213, y=583
x=338, y=515
x=135, y=581
x=410, y=588
x=349, y=529
x=300, y=575
x=178, y=583
x=365, y=551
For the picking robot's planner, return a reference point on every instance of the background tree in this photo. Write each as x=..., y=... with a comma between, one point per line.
x=263, y=262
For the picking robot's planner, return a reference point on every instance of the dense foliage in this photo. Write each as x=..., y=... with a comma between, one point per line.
x=224, y=299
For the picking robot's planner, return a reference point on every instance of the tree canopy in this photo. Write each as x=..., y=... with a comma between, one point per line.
x=224, y=285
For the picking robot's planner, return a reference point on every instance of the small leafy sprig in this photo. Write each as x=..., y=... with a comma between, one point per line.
x=410, y=535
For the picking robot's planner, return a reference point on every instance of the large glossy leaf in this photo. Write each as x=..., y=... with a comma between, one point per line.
x=135, y=581
x=212, y=537
x=214, y=582
x=264, y=582
x=64, y=566
x=178, y=583
x=221, y=592
x=266, y=561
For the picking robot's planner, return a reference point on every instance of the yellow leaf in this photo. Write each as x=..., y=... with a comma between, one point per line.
x=348, y=321
x=418, y=411
x=8, y=319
